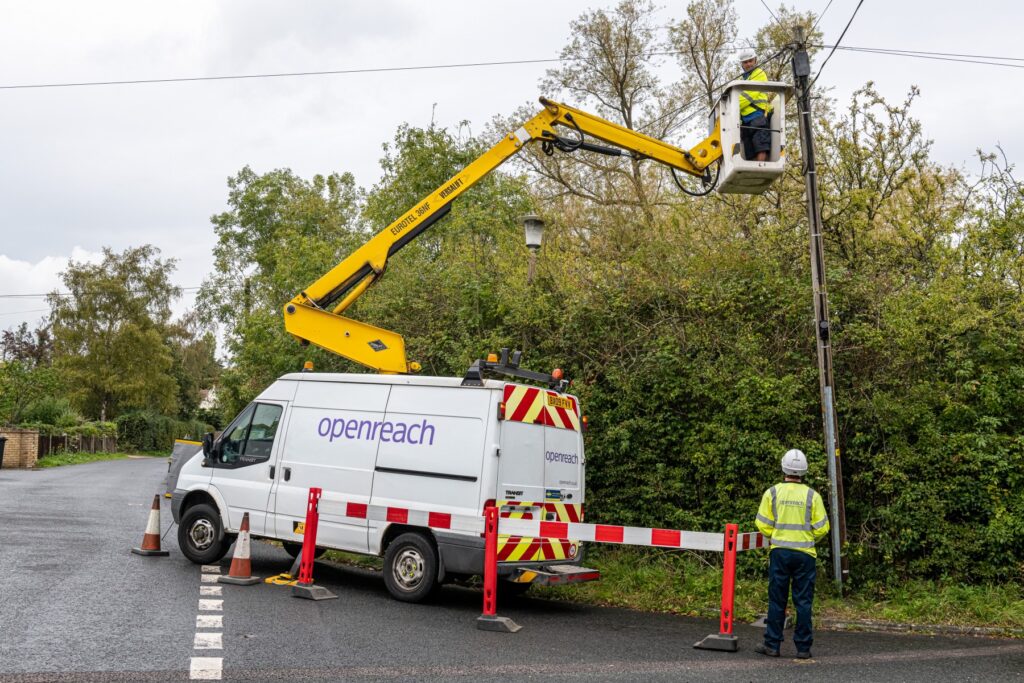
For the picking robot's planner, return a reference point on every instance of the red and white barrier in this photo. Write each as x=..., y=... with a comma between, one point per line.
x=491, y=525
x=397, y=515
x=533, y=528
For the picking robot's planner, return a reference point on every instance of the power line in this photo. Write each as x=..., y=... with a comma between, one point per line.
x=333, y=72
x=921, y=52
x=822, y=67
x=192, y=79
x=34, y=310
x=31, y=296
x=772, y=13
x=904, y=53
x=819, y=17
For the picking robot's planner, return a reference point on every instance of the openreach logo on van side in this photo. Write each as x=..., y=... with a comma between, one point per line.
x=555, y=456
x=371, y=430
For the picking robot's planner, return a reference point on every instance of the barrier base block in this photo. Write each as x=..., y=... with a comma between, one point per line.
x=151, y=553
x=723, y=642
x=311, y=592
x=493, y=623
x=251, y=581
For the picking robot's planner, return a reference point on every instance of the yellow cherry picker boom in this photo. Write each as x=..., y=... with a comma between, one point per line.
x=315, y=314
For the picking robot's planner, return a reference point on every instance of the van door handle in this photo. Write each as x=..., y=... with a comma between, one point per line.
x=287, y=473
x=272, y=470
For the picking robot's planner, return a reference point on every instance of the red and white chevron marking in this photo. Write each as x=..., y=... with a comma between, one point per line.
x=533, y=528
x=750, y=541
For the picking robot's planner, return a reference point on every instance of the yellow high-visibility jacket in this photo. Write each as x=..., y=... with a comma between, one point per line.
x=755, y=100
x=792, y=516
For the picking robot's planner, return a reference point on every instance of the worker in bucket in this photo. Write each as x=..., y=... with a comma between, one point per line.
x=792, y=517
x=755, y=111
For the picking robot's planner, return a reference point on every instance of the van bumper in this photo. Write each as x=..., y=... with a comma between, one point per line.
x=177, y=496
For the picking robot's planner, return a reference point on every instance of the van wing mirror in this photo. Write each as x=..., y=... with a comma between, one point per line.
x=207, y=444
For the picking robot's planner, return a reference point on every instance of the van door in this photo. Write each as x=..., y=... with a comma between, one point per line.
x=540, y=471
x=243, y=467
x=331, y=444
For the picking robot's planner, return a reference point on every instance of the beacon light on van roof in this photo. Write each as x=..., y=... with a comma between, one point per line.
x=307, y=366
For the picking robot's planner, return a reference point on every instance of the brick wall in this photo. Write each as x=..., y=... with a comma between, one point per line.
x=22, y=448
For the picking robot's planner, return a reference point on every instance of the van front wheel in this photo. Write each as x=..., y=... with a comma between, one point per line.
x=200, y=535
x=410, y=568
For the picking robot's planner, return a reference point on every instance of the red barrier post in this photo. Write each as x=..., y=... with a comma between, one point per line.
x=490, y=561
x=305, y=588
x=728, y=579
x=489, y=620
x=725, y=641
x=309, y=536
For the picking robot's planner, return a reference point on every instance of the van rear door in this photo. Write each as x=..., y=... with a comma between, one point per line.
x=540, y=471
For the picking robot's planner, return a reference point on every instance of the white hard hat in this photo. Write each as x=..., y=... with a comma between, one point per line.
x=747, y=53
x=794, y=463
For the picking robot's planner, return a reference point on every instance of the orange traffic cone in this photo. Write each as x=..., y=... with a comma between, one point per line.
x=151, y=539
x=240, y=573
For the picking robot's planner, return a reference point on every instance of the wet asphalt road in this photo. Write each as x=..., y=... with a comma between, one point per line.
x=75, y=605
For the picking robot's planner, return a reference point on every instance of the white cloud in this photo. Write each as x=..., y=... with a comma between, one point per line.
x=19, y=277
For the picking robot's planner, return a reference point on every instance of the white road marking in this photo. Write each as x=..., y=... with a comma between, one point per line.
x=211, y=605
x=206, y=668
x=210, y=590
x=211, y=569
x=208, y=578
x=209, y=621
x=208, y=641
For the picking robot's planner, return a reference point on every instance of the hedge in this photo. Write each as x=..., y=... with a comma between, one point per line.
x=145, y=431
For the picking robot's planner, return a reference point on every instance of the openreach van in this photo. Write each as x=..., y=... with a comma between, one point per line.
x=429, y=443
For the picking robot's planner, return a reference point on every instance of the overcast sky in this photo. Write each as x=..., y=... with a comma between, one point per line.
x=86, y=167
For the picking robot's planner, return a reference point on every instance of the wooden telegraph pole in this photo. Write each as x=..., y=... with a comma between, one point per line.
x=801, y=74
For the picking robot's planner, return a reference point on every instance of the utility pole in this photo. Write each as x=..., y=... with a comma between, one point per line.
x=801, y=74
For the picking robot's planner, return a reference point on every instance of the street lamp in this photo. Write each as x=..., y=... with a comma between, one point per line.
x=534, y=226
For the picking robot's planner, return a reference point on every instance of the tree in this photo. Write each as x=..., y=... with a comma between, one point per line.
x=30, y=346
x=195, y=366
x=109, y=332
x=278, y=234
x=22, y=384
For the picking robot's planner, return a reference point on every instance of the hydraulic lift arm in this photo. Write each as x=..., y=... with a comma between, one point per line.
x=314, y=315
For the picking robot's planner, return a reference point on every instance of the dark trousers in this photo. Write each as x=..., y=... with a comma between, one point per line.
x=786, y=567
x=756, y=136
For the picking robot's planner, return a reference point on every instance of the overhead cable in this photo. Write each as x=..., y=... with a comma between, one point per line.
x=841, y=35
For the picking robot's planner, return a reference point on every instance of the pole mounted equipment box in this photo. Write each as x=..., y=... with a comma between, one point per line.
x=740, y=175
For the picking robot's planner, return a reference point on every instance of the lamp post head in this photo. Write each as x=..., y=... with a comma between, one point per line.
x=534, y=226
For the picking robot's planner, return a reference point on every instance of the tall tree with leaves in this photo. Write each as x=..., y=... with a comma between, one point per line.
x=109, y=332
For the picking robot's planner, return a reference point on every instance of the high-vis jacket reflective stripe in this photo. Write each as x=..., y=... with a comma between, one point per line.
x=754, y=100
x=792, y=516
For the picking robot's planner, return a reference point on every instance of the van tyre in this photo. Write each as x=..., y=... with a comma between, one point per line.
x=201, y=535
x=410, y=568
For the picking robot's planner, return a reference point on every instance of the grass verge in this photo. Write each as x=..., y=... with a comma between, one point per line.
x=60, y=459
x=690, y=584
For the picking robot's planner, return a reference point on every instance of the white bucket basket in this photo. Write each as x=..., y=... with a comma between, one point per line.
x=743, y=176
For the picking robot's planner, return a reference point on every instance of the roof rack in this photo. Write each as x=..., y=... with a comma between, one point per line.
x=510, y=368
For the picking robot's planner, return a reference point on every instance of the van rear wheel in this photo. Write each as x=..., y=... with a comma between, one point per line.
x=410, y=568
x=201, y=536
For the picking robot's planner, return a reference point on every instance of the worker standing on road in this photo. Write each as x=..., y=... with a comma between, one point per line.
x=755, y=111
x=792, y=516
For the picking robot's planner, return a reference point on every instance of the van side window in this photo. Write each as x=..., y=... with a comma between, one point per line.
x=261, y=433
x=250, y=438
x=234, y=437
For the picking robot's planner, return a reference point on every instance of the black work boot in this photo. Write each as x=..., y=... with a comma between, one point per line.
x=766, y=651
x=806, y=654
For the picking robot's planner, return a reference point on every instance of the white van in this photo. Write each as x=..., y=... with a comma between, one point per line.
x=430, y=443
